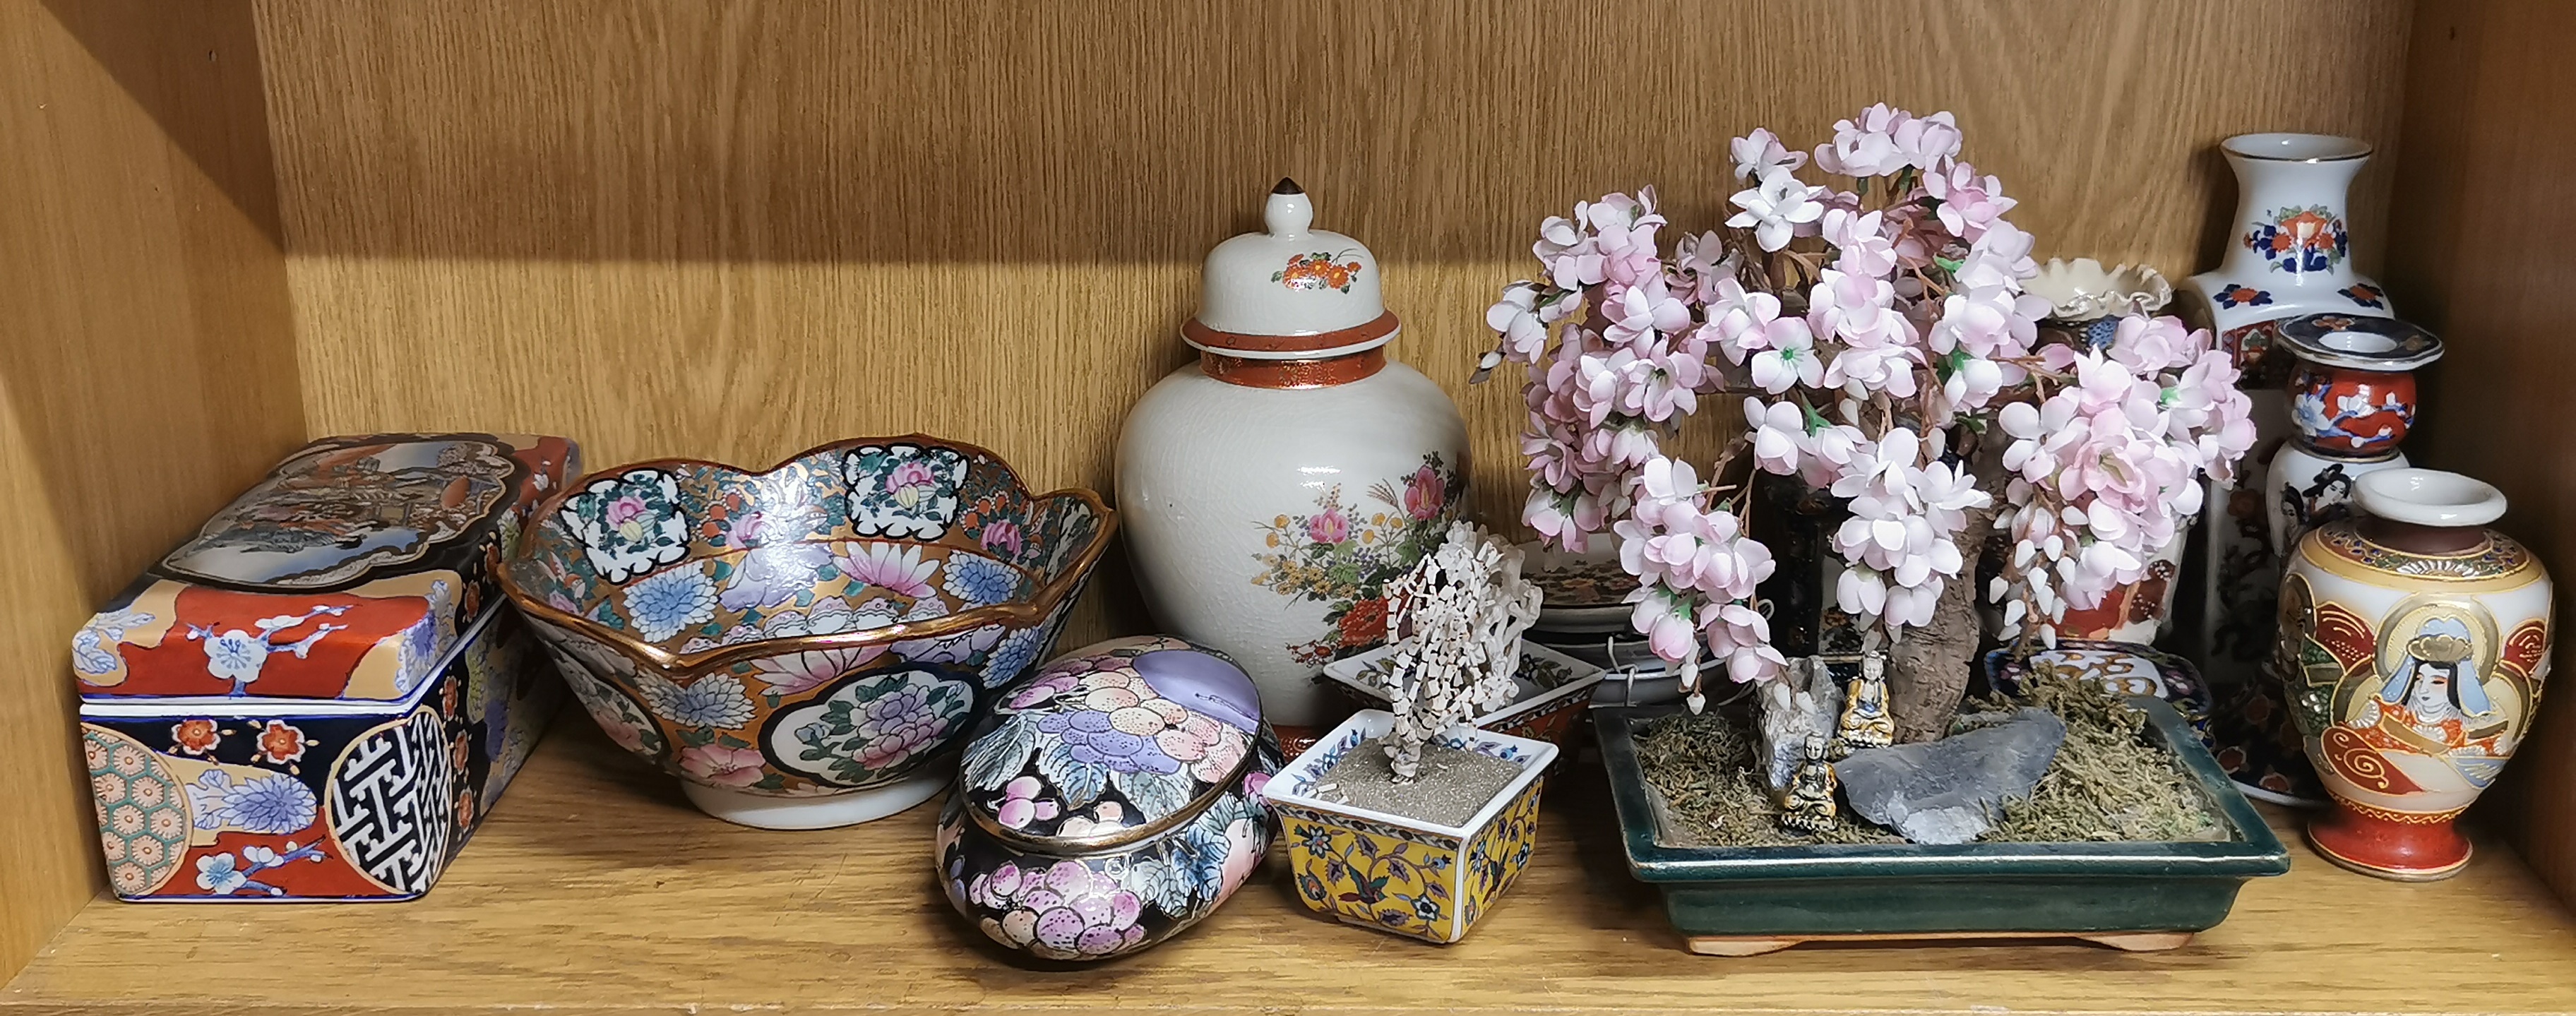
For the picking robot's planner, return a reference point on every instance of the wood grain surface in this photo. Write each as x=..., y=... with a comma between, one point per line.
x=147, y=366
x=2482, y=219
x=595, y=888
x=734, y=230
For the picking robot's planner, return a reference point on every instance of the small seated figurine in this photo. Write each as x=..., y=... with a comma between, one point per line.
x=1809, y=804
x=1865, y=721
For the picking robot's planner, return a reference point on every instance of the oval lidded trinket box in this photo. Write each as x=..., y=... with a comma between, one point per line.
x=1273, y=487
x=1111, y=800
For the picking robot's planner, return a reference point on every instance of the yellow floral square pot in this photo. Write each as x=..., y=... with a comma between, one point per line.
x=1399, y=874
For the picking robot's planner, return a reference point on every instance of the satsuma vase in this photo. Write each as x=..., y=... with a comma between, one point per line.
x=2414, y=644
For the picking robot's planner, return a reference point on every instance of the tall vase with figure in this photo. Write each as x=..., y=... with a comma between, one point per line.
x=2352, y=400
x=2414, y=644
x=2289, y=253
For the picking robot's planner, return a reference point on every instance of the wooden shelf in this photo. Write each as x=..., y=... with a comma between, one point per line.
x=595, y=889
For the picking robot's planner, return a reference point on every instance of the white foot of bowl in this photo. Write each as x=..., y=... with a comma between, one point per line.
x=764, y=812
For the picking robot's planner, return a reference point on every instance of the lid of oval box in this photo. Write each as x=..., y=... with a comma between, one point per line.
x=344, y=575
x=1113, y=743
x=1290, y=292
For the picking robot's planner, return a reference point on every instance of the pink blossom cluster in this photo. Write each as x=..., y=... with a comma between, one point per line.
x=2105, y=466
x=1697, y=574
x=1617, y=378
x=1864, y=324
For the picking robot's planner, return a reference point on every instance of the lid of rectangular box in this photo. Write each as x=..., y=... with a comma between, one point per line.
x=343, y=576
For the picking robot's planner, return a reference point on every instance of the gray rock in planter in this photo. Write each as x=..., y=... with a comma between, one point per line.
x=1947, y=791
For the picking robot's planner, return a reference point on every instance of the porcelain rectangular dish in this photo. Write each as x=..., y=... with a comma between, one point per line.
x=1399, y=874
x=319, y=695
x=1744, y=900
x=1548, y=696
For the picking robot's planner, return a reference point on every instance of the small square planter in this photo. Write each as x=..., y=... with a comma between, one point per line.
x=1399, y=874
x=1548, y=697
x=1741, y=901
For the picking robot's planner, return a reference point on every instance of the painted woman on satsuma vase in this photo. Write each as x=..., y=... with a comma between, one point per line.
x=2414, y=645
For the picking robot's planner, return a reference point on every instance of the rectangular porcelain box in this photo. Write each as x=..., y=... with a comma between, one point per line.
x=289, y=800
x=2106, y=891
x=320, y=694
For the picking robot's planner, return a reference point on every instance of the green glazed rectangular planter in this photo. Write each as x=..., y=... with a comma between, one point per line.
x=1746, y=900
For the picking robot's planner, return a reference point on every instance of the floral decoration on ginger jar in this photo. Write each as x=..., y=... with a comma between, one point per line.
x=1274, y=487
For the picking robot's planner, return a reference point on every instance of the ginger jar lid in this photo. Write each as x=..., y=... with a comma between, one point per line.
x=1113, y=744
x=2360, y=343
x=1290, y=291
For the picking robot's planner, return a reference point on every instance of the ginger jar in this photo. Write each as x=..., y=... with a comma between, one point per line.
x=2414, y=642
x=1274, y=487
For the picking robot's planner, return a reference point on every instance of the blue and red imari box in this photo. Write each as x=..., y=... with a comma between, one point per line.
x=321, y=694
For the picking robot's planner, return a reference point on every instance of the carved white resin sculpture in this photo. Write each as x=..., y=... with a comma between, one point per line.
x=1456, y=621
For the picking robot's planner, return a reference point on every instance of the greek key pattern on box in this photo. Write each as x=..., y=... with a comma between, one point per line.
x=389, y=803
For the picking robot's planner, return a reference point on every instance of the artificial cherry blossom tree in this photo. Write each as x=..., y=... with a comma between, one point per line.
x=1876, y=339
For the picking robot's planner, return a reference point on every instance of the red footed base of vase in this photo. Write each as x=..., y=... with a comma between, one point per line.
x=2392, y=845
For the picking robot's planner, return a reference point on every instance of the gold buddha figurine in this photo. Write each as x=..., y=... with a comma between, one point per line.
x=1865, y=722
x=1808, y=806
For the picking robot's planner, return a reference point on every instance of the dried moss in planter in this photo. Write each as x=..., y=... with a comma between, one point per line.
x=2108, y=783
x=1451, y=786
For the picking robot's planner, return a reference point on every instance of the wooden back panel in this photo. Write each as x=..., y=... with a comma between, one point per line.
x=734, y=230
x=2482, y=215
x=147, y=364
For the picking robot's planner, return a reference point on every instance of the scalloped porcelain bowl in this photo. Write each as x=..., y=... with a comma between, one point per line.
x=803, y=647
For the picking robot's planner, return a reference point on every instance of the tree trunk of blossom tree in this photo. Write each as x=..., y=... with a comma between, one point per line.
x=1927, y=671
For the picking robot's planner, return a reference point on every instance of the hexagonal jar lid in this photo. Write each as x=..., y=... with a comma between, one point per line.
x=1112, y=744
x=2360, y=343
x=1291, y=291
